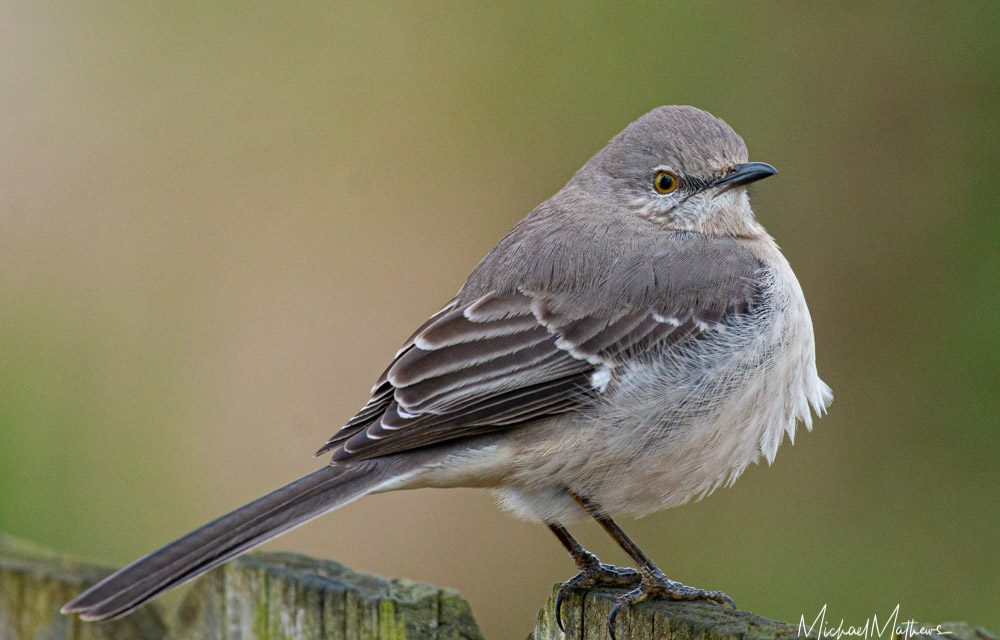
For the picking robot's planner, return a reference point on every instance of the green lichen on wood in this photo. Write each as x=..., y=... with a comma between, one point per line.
x=284, y=596
x=272, y=596
x=585, y=615
x=35, y=582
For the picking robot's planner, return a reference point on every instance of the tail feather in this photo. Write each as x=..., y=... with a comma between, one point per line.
x=225, y=537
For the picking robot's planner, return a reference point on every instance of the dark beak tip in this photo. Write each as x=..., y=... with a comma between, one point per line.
x=762, y=169
x=746, y=173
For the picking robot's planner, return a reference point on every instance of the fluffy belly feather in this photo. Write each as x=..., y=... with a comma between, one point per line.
x=675, y=428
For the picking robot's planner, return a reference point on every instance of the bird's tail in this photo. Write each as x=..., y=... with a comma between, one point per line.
x=225, y=537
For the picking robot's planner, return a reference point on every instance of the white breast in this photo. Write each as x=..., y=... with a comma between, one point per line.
x=677, y=428
x=669, y=428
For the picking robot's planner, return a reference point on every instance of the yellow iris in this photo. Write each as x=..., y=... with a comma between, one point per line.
x=665, y=182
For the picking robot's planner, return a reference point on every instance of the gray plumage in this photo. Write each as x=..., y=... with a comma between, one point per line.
x=635, y=347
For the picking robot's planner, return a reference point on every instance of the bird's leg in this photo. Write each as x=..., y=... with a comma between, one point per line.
x=593, y=572
x=654, y=583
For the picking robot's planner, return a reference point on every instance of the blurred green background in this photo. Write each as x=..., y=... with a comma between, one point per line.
x=218, y=223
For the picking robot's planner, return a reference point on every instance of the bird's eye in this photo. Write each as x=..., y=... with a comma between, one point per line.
x=665, y=182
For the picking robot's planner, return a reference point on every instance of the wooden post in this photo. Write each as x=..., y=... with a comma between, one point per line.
x=272, y=596
x=284, y=596
x=260, y=596
x=585, y=617
x=35, y=582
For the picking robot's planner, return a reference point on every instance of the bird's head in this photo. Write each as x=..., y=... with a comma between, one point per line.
x=681, y=168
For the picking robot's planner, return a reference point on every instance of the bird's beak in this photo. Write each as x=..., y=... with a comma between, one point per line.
x=743, y=174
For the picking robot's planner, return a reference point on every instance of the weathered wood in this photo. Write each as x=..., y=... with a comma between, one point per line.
x=35, y=582
x=262, y=596
x=283, y=596
x=585, y=615
x=272, y=596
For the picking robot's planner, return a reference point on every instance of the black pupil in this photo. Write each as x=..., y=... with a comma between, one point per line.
x=665, y=182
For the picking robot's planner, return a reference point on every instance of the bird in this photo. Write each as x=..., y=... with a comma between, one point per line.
x=632, y=344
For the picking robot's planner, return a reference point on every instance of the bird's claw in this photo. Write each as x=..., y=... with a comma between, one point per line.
x=658, y=585
x=597, y=574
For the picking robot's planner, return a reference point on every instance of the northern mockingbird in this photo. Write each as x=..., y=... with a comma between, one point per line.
x=635, y=342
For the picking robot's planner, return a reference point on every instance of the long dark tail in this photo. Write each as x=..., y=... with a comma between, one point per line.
x=225, y=537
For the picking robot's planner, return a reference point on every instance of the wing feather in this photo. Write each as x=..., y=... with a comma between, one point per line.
x=509, y=356
x=418, y=365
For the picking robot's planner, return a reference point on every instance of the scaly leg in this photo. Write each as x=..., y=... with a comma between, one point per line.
x=593, y=572
x=654, y=583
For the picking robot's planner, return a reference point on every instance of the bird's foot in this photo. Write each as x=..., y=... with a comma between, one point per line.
x=658, y=585
x=594, y=574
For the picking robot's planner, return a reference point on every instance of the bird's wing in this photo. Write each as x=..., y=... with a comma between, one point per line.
x=505, y=358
